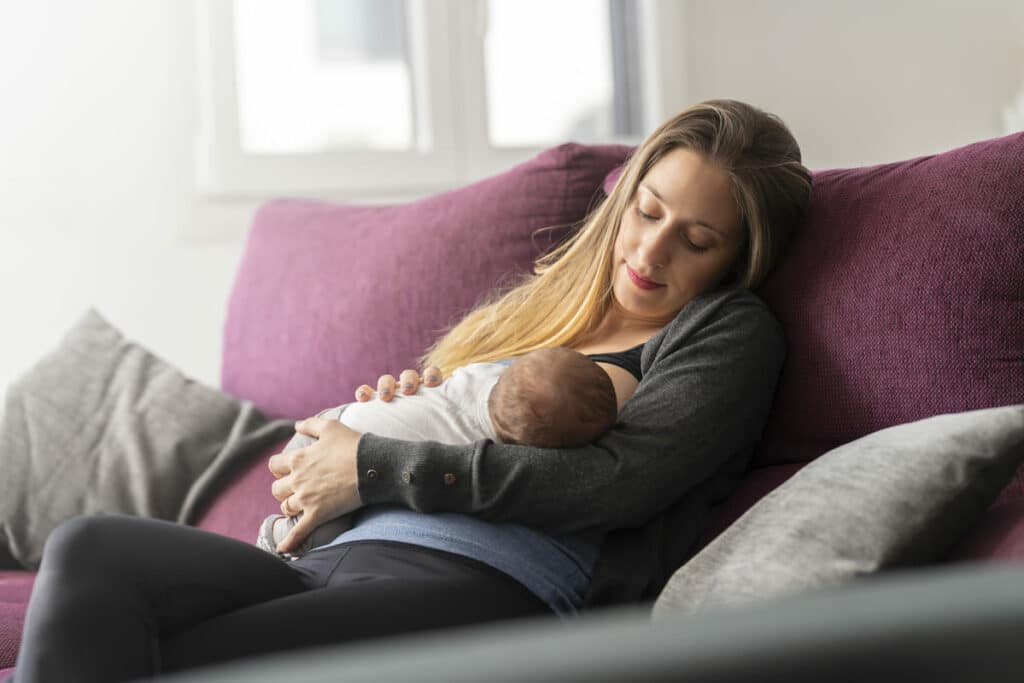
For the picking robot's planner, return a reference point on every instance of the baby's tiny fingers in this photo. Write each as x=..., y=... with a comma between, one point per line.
x=386, y=388
x=432, y=376
x=364, y=393
x=409, y=381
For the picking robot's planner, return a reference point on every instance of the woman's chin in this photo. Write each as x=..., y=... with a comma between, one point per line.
x=641, y=306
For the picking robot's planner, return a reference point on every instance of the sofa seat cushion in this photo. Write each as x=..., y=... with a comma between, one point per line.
x=330, y=296
x=15, y=588
x=997, y=537
x=902, y=297
x=16, y=585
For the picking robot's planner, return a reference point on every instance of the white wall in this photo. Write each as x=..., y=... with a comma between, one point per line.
x=99, y=114
x=863, y=81
x=96, y=170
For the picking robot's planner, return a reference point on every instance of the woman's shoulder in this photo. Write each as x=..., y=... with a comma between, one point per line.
x=734, y=315
x=735, y=304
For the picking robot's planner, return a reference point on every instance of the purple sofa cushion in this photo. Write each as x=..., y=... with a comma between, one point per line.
x=15, y=587
x=330, y=296
x=902, y=297
x=245, y=500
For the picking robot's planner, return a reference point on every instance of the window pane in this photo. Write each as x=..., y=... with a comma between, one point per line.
x=549, y=71
x=315, y=75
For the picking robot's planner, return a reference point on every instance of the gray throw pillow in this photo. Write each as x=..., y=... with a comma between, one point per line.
x=101, y=425
x=901, y=496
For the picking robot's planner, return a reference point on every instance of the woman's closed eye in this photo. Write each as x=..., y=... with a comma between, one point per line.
x=645, y=216
x=648, y=217
x=694, y=247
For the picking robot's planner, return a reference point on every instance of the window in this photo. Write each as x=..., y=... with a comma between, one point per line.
x=387, y=99
x=323, y=75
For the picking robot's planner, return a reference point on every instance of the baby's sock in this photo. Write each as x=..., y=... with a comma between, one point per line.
x=321, y=535
x=282, y=525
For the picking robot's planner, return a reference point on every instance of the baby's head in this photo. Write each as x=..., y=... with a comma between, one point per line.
x=552, y=398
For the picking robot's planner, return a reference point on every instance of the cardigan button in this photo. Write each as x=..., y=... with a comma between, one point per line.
x=449, y=479
x=371, y=474
x=407, y=477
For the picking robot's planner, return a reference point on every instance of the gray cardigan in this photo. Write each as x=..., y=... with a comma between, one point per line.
x=681, y=444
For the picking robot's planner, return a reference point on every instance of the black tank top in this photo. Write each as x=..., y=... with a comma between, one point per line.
x=628, y=360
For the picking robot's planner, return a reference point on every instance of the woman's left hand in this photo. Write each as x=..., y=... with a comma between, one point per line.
x=320, y=480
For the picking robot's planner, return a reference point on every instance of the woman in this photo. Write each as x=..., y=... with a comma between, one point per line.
x=700, y=215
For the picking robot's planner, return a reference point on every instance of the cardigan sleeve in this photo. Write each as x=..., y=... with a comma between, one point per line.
x=709, y=379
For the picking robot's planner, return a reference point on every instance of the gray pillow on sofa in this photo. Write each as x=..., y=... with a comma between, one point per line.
x=101, y=425
x=901, y=496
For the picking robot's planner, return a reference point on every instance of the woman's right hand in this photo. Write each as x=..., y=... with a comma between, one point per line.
x=409, y=381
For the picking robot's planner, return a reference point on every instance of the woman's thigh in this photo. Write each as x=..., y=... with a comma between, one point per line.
x=359, y=590
x=186, y=574
x=110, y=586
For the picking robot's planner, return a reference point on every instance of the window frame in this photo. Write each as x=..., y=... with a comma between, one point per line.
x=447, y=45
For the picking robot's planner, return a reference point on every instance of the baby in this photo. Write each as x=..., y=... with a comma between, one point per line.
x=549, y=398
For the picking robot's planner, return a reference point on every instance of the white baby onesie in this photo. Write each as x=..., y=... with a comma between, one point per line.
x=453, y=413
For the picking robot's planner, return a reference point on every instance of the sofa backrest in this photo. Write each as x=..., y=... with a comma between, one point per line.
x=330, y=296
x=902, y=294
x=902, y=297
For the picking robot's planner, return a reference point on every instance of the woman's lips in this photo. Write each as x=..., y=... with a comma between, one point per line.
x=640, y=281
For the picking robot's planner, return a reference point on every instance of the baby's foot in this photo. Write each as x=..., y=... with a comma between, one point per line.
x=272, y=531
x=276, y=527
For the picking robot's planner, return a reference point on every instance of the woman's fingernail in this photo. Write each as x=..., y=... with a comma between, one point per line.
x=407, y=385
x=361, y=393
x=385, y=392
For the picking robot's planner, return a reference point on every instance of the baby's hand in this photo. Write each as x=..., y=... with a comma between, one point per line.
x=410, y=381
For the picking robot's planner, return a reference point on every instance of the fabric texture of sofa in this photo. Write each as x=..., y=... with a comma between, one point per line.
x=902, y=297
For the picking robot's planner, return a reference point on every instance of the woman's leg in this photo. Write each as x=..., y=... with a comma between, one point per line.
x=360, y=590
x=110, y=587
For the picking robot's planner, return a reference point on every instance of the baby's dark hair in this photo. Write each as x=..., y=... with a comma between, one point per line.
x=553, y=398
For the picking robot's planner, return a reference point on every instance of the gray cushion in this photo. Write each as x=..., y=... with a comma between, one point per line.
x=101, y=425
x=898, y=497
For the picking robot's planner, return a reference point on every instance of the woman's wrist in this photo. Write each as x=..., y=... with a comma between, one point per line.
x=421, y=475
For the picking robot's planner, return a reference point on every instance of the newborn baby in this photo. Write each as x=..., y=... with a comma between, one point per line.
x=549, y=398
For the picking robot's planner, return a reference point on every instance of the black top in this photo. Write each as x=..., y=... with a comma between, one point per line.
x=628, y=359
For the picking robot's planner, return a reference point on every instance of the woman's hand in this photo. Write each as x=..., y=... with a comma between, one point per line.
x=319, y=480
x=409, y=380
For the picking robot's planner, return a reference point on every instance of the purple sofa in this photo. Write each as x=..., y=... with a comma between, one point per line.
x=902, y=297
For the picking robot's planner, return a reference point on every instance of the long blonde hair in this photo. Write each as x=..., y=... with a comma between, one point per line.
x=570, y=289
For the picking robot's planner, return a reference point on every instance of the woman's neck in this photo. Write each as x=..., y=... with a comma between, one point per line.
x=619, y=325
x=618, y=321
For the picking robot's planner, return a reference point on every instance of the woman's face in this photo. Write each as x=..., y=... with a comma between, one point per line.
x=679, y=236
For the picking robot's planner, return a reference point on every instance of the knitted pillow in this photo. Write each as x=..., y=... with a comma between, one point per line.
x=899, y=497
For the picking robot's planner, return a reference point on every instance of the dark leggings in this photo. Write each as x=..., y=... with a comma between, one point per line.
x=119, y=598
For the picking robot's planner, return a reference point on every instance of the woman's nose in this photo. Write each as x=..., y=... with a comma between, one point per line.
x=654, y=248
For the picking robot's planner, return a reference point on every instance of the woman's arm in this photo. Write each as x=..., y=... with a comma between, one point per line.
x=709, y=380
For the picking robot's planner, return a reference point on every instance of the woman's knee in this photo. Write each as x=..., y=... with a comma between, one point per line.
x=87, y=539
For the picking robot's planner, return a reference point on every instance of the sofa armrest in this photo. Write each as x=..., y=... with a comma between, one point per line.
x=939, y=624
